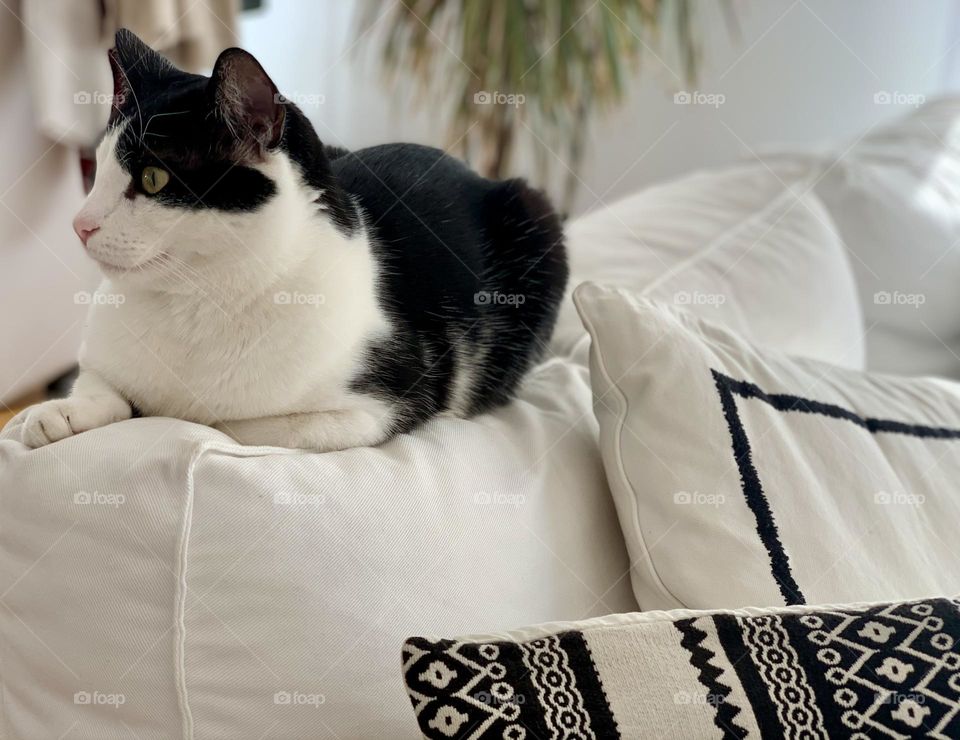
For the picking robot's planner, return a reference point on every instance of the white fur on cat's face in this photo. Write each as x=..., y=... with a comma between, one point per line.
x=141, y=241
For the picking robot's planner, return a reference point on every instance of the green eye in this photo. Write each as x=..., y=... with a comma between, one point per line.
x=154, y=179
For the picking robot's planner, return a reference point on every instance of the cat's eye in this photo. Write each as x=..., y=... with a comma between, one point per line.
x=154, y=179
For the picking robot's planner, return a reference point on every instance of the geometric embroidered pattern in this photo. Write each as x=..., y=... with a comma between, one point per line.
x=883, y=671
x=556, y=687
x=892, y=671
x=782, y=672
x=709, y=675
x=545, y=688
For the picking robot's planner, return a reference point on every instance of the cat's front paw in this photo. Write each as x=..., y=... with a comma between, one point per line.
x=60, y=418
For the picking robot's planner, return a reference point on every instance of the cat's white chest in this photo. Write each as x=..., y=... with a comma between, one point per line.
x=295, y=349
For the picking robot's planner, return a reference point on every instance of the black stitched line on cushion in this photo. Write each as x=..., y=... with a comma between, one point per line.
x=784, y=402
x=753, y=493
x=727, y=387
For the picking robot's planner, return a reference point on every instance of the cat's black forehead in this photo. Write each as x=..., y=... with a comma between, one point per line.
x=169, y=114
x=169, y=122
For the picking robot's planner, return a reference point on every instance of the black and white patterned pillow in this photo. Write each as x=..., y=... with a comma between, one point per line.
x=859, y=672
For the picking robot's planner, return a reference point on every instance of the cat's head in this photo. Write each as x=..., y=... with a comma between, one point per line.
x=196, y=169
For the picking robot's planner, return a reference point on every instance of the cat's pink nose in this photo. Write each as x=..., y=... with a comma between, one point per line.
x=85, y=227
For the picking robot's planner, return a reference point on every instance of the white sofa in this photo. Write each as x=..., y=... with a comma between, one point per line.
x=158, y=580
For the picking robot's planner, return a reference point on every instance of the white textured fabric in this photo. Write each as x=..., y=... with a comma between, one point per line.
x=748, y=246
x=895, y=197
x=751, y=478
x=205, y=584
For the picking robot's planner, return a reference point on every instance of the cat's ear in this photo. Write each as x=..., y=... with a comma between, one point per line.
x=132, y=62
x=248, y=103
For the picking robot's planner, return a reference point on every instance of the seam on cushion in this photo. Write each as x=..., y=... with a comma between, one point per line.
x=658, y=581
x=719, y=240
x=633, y=620
x=180, y=663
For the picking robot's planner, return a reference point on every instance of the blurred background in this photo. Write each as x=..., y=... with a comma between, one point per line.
x=591, y=100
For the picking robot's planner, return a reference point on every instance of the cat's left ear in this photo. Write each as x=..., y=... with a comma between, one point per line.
x=134, y=65
x=248, y=103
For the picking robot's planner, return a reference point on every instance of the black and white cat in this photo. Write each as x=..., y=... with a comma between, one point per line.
x=288, y=293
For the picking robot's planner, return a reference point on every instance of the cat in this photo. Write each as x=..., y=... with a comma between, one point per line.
x=289, y=293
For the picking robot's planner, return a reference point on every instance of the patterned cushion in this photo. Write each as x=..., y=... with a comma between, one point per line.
x=857, y=671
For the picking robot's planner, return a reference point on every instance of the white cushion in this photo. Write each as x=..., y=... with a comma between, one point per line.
x=895, y=197
x=748, y=246
x=205, y=578
x=744, y=477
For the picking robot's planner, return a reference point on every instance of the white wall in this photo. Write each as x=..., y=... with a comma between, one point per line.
x=804, y=73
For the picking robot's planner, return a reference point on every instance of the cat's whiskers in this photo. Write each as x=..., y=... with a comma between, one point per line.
x=136, y=100
x=146, y=129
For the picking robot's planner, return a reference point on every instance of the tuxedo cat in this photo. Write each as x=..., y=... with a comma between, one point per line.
x=289, y=293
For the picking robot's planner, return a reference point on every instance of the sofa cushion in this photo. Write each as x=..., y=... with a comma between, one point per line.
x=158, y=580
x=895, y=197
x=748, y=477
x=748, y=246
x=858, y=671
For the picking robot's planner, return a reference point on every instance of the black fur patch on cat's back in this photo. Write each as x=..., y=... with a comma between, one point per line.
x=446, y=239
